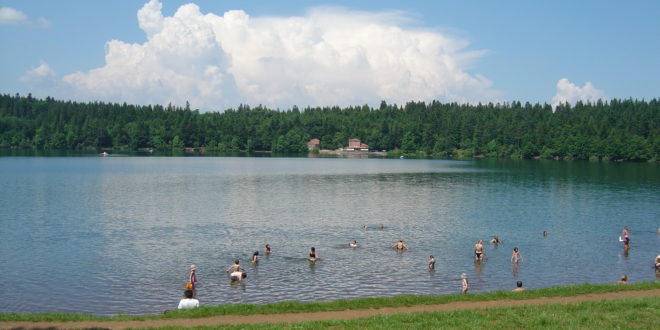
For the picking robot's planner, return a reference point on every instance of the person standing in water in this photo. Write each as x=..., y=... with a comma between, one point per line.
x=431, y=262
x=479, y=250
x=399, y=245
x=192, y=279
x=464, y=281
x=313, y=256
x=267, y=249
x=516, y=257
x=353, y=244
x=236, y=267
x=255, y=257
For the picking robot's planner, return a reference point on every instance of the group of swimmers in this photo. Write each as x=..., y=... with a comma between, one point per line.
x=480, y=253
x=237, y=272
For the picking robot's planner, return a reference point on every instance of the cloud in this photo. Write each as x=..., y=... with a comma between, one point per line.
x=329, y=56
x=38, y=74
x=43, y=23
x=567, y=92
x=11, y=16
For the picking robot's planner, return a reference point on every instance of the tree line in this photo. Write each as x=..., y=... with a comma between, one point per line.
x=616, y=130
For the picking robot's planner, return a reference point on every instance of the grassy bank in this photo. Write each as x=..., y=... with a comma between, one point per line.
x=639, y=313
x=340, y=305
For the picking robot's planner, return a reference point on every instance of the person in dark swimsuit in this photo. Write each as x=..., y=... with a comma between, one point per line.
x=479, y=250
x=313, y=256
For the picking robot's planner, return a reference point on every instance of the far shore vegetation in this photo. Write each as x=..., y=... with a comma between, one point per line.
x=341, y=305
x=616, y=130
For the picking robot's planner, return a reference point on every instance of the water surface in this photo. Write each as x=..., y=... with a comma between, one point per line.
x=109, y=235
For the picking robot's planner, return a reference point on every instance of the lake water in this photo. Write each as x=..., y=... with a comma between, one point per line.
x=109, y=235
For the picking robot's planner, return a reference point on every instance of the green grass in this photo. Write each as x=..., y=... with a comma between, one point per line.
x=338, y=305
x=640, y=313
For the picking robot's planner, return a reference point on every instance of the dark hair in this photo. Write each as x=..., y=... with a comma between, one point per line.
x=188, y=294
x=236, y=261
x=313, y=249
x=515, y=249
x=519, y=284
x=256, y=253
x=243, y=275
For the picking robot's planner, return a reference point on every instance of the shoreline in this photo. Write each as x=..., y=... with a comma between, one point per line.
x=456, y=155
x=353, y=305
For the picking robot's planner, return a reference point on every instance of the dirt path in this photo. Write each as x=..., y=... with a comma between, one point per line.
x=318, y=316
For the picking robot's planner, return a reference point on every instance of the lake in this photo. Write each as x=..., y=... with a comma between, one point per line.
x=110, y=235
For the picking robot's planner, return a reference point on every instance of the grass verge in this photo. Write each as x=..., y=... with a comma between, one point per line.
x=639, y=313
x=340, y=305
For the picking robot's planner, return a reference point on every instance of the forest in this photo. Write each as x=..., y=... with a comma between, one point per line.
x=616, y=130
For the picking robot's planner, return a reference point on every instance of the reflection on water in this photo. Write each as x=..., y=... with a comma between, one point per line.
x=108, y=235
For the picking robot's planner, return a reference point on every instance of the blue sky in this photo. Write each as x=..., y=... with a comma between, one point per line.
x=218, y=54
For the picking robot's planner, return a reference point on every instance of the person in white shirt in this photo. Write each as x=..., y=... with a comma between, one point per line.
x=188, y=301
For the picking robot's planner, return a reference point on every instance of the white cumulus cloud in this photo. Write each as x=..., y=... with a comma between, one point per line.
x=329, y=56
x=568, y=92
x=39, y=73
x=11, y=16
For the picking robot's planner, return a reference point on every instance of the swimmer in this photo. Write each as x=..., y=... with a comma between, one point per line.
x=353, y=244
x=545, y=233
x=399, y=245
x=365, y=227
x=383, y=226
x=516, y=256
x=479, y=250
x=237, y=276
x=623, y=280
x=313, y=256
x=464, y=281
x=519, y=286
x=267, y=249
x=495, y=240
x=431, y=262
x=255, y=257
x=236, y=267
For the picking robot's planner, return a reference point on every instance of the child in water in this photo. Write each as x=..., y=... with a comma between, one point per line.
x=516, y=256
x=192, y=278
x=464, y=280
